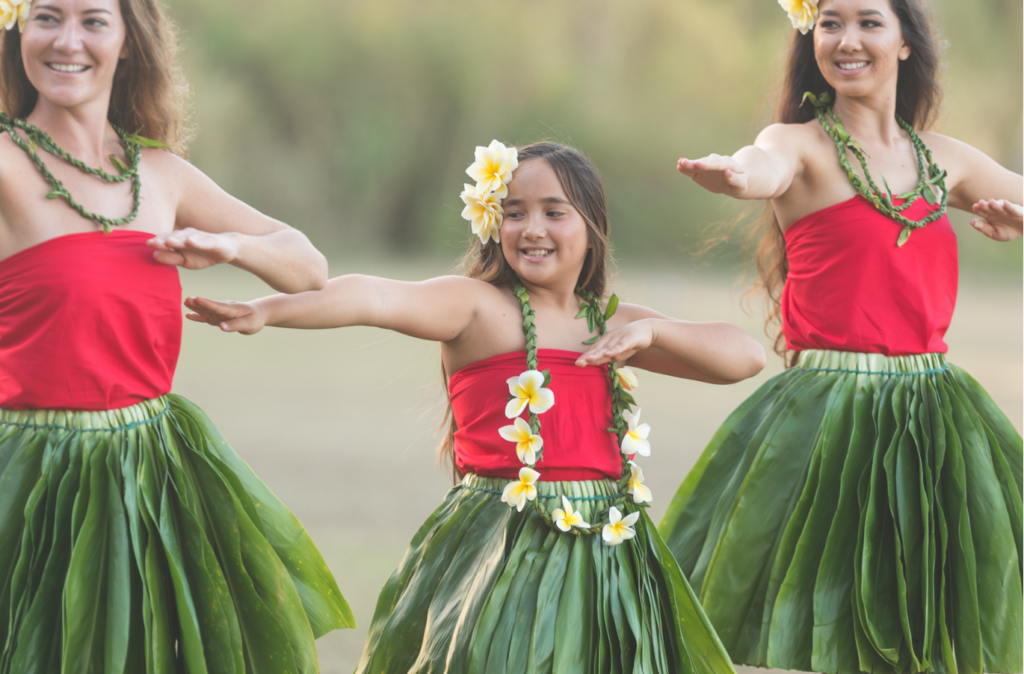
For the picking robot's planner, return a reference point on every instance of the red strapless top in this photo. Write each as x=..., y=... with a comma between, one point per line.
x=850, y=288
x=576, y=444
x=88, y=321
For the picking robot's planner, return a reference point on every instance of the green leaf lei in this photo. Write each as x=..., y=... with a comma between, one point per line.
x=882, y=199
x=597, y=318
x=37, y=138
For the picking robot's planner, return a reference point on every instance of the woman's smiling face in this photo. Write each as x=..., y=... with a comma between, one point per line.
x=543, y=236
x=858, y=45
x=71, y=49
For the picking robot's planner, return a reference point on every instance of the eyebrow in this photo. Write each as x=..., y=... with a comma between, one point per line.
x=545, y=200
x=58, y=10
x=863, y=12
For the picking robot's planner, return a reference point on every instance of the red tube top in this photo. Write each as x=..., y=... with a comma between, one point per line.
x=576, y=444
x=88, y=321
x=850, y=288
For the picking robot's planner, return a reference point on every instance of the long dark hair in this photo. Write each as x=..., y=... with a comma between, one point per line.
x=918, y=97
x=149, y=96
x=485, y=261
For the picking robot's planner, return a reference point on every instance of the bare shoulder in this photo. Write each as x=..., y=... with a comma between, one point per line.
x=947, y=150
x=793, y=136
x=627, y=313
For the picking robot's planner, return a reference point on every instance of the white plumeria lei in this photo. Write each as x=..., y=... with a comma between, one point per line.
x=14, y=12
x=492, y=172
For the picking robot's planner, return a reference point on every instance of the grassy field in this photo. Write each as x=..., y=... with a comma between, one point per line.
x=341, y=424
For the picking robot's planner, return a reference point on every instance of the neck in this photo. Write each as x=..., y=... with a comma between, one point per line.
x=82, y=131
x=871, y=117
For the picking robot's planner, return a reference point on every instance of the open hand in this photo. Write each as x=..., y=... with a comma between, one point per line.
x=244, y=317
x=716, y=173
x=194, y=249
x=998, y=219
x=619, y=344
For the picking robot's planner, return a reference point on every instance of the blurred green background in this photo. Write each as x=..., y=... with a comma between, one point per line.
x=354, y=120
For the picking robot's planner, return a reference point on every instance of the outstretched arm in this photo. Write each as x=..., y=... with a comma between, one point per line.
x=718, y=353
x=764, y=170
x=212, y=227
x=438, y=309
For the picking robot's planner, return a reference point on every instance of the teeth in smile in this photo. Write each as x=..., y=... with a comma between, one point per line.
x=537, y=252
x=852, y=66
x=67, y=68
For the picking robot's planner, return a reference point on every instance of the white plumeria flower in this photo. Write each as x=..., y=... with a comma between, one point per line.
x=493, y=167
x=517, y=493
x=802, y=13
x=527, y=444
x=565, y=518
x=619, y=528
x=640, y=492
x=528, y=389
x=635, y=439
x=14, y=12
x=627, y=377
x=483, y=209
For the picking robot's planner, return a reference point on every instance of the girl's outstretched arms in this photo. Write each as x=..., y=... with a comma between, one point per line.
x=763, y=170
x=717, y=353
x=438, y=309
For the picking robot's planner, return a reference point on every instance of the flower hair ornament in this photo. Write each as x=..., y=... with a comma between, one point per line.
x=492, y=172
x=802, y=13
x=14, y=12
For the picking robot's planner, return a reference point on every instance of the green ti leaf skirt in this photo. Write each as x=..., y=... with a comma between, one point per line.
x=859, y=513
x=136, y=541
x=486, y=589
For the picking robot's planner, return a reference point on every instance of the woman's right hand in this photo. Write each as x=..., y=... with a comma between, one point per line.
x=716, y=173
x=247, y=318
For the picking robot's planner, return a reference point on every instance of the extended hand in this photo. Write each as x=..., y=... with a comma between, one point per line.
x=998, y=219
x=243, y=317
x=619, y=344
x=715, y=173
x=194, y=249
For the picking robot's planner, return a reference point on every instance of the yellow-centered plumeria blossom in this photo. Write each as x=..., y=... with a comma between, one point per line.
x=619, y=528
x=528, y=389
x=527, y=444
x=565, y=518
x=517, y=493
x=627, y=377
x=14, y=12
x=635, y=439
x=493, y=168
x=802, y=13
x=640, y=492
x=483, y=210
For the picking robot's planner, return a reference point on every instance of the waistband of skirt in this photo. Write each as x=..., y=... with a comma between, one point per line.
x=597, y=491
x=847, y=362
x=100, y=421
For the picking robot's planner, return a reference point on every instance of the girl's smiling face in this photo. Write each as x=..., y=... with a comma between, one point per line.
x=71, y=48
x=543, y=236
x=858, y=45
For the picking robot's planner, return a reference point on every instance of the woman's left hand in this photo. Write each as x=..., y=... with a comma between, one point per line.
x=195, y=249
x=619, y=344
x=998, y=219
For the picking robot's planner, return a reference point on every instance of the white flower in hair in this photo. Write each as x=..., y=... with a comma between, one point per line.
x=493, y=168
x=14, y=12
x=483, y=210
x=802, y=13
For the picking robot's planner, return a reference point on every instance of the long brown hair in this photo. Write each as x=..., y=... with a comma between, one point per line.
x=150, y=95
x=485, y=261
x=918, y=97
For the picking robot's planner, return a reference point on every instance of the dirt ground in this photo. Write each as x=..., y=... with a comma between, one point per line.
x=341, y=424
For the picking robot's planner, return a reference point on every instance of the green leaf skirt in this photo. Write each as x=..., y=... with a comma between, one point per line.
x=486, y=589
x=859, y=513
x=136, y=541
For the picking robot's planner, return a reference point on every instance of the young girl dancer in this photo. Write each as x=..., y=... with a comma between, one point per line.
x=132, y=538
x=541, y=559
x=861, y=511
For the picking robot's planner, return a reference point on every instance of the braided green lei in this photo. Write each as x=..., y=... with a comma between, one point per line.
x=596, y=317
x=37, y=138
x=930, y=176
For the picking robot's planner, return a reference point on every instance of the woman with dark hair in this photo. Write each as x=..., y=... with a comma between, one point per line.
x=132, y=538
x=862, y=510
